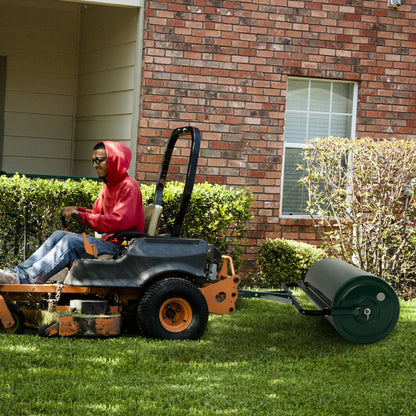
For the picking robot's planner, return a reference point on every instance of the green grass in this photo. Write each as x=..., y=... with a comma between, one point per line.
x=266, y=359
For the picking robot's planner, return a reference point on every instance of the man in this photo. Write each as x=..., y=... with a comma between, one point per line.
x=118, y=208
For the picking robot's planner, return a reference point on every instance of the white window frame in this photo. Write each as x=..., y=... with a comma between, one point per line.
x=288, y=145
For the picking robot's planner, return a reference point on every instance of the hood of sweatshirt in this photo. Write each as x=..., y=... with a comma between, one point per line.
x=118, y=161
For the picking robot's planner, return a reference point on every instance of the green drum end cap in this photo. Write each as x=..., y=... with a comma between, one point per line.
x=378, y=306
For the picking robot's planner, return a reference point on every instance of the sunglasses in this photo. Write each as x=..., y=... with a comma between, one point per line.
x=98, y=160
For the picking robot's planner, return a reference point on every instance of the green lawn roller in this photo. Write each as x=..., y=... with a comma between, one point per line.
x=363, y=308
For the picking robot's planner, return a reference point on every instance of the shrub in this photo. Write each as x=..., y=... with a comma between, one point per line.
x=405, y=283
x=216, y=213
x=282, y=261
x=362, y=200
x=36, y=205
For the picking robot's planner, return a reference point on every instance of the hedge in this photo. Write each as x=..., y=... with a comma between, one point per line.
x=283, y=261
x=216, y=213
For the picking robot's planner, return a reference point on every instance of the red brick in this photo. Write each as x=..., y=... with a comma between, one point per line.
x=224, y=69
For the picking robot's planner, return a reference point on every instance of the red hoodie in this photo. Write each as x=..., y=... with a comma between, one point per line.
x=119, y=206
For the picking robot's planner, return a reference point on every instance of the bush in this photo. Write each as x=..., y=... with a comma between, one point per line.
x=362, y=199
x=42, y=201
x=405, y=282
x=283, y=261
x=216, y=213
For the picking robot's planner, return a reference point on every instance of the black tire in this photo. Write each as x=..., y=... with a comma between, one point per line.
x=19, y=320
x=173, y=309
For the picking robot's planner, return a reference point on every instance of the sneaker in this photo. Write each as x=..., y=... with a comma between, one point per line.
x=8, y=277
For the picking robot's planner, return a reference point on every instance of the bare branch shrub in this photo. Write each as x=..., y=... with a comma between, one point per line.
x=363, y=202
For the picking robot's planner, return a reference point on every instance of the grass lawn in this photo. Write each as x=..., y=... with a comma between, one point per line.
x=266, y=359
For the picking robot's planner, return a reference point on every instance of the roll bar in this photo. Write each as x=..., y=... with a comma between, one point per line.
x=190, y=175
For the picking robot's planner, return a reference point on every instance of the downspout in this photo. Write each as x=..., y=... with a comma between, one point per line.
x=137, y=89
x=75, y=104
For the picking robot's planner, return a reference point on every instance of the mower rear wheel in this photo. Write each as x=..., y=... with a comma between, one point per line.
x=173, y=308
x=19, y=320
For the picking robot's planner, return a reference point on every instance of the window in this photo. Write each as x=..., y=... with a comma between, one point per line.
x=314, y=108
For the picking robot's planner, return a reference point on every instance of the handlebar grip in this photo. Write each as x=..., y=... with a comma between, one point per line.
x=75, y=217
x=64, y=222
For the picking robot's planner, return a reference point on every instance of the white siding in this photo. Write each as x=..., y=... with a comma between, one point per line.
x=72, y=79
x=106, y=83
x=40, y=40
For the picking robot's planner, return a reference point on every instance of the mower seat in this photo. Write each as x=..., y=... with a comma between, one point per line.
x=152, y=214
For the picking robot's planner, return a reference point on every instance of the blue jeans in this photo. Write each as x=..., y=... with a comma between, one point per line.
x=56, y=253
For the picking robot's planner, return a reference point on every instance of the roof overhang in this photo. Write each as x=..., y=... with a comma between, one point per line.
x=122, y=3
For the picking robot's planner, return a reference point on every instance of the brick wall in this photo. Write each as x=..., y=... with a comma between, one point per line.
x=222, y=66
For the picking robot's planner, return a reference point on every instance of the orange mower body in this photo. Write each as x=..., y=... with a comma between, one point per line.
x=75, y=313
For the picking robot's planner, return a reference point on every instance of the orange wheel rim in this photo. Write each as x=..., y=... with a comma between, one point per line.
x=175, y=314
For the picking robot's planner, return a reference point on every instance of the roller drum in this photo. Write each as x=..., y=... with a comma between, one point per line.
x=364, y=308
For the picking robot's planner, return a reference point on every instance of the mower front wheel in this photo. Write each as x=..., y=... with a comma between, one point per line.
x=173, y=308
